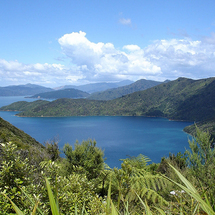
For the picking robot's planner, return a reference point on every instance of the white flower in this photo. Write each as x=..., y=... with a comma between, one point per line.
x=173, y=192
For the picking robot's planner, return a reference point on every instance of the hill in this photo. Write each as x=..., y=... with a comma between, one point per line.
x=23, y=105
x=97, y=87
x=23, y=90
x=182, y=99
x=66, y=93
x=124, y=90
x=27, y=145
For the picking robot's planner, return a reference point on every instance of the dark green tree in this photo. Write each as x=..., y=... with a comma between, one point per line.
x=53, y=148
x=86, y=156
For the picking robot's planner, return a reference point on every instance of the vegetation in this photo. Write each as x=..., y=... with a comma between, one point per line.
x=27, y=146
x=124, y=90
x=66, y=93
x=182, y=99
x=81, y=183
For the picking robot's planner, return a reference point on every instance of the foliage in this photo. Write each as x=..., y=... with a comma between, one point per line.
x=66, y=93
x=134, y=179
x=27, y=146
x=124, y=90
x=182, y=99
x=87, y=156
x=81, y=184
x=14, y=172
x=53, y=148
x=207, y=126
x=201, y=162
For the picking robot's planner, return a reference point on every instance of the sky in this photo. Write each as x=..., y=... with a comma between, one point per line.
x=73, y=42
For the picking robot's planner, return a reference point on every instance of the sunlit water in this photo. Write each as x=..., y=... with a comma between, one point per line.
x=118, y=136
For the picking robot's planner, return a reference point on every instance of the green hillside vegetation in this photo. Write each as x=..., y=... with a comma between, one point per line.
x=23, y=105
x=67, y=93
x=81, y=183
x=204, y=126
x=26, y=145
x=182, y=99
x=124, y=90
x=23, y=90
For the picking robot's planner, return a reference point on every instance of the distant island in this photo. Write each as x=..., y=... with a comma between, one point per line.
x=66, y=93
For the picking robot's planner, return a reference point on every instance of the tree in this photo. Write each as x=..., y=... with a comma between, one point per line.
x=201, y=160
x=87, y=156
x=53, y=148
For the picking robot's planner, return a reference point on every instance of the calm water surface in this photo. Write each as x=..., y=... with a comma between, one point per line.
x=118, y=136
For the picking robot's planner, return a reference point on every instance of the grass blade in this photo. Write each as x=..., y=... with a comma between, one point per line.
x=32, y=202
x=17, y=210
x=54, y=208
x=190, y=189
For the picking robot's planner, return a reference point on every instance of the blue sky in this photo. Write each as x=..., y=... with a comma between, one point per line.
x=59, y=42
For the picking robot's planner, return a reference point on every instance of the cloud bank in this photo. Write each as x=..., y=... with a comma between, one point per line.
x=96, y=62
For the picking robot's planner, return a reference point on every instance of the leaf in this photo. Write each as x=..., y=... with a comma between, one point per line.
x=190, y=189
x=18, y=211
x=147, y=209
x=54, y=208
x=161, y=211
x=32, y=202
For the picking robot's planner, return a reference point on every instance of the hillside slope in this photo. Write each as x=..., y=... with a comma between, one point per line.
x=27, y=145
x=66, y=93
x=124, y=90
x=182, y=99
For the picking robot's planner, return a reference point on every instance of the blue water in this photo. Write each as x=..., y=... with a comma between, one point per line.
x=118, y=136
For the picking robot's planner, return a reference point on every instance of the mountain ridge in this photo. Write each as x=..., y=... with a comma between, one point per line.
x=113, y=93
x=181, y=99
x=23, y=90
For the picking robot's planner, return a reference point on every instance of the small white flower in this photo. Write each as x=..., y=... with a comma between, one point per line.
x=173, y=192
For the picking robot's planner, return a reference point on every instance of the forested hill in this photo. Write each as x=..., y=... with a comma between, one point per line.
x=124, y=90
x=27, y=145
x=23, y=90
x=182, y=99
x=66, y=93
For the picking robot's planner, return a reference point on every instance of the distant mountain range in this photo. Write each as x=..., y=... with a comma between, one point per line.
x=181, y=99
x=23, y=90
x=96, y=87
x=32, y=89
x=102, y=95
x=124, y=90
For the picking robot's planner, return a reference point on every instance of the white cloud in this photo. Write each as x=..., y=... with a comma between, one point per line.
x=131, y=47
x=14, y=72
x=188, y=58
x=103, y=60
x=124, y=21
x=96, y=62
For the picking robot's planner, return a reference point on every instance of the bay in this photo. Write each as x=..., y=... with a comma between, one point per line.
x=118, y=136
